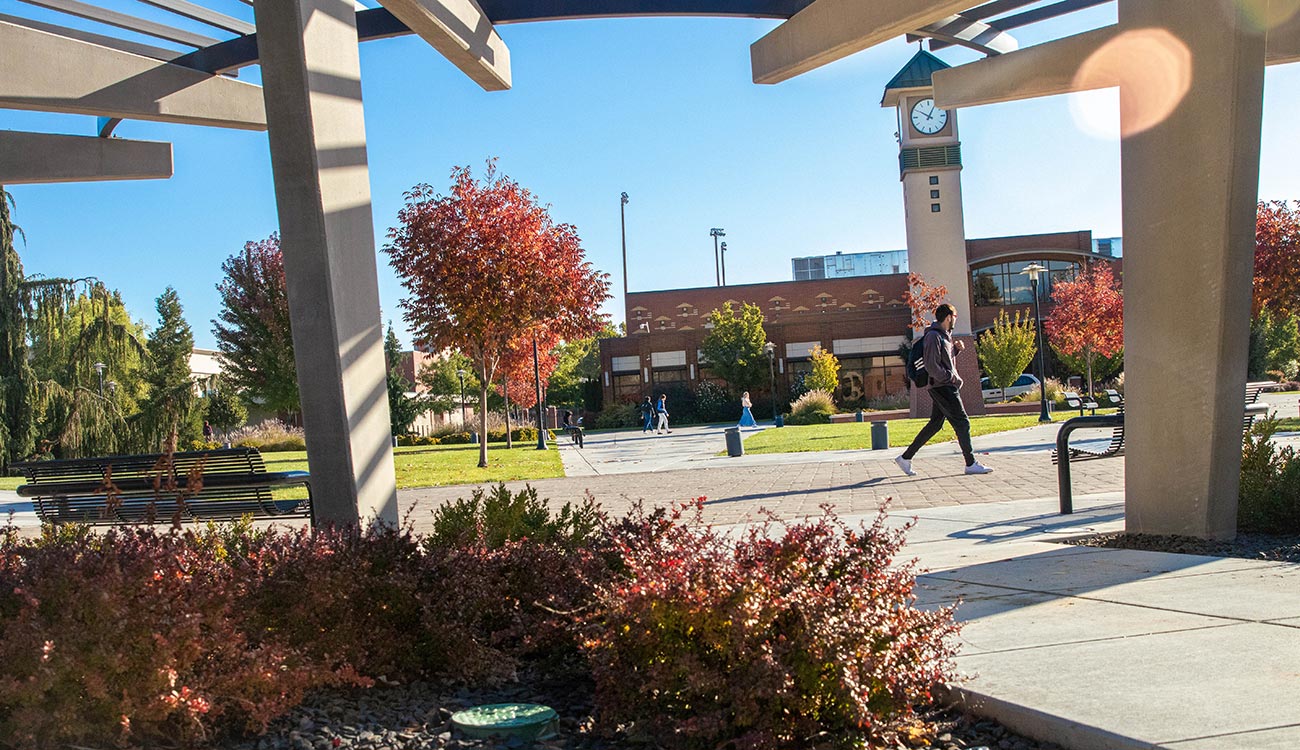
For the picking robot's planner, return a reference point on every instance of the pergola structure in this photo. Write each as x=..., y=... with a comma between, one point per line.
x=1190, y=161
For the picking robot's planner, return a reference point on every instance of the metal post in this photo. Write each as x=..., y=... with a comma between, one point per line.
x=537, y=381
x=505, y=393
x=1043, y=416
x=724, y=264
x=715, y=233
x=622, y=222
x=464, y=417
x=99, y=368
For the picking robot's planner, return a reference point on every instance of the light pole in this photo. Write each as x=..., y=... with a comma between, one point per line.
x=770, y=350
x=464, y=418
x=724, y=264
x=1033, y=270
x=99, y=368
x=715, y=233
x=622, y=223
x=537, y=381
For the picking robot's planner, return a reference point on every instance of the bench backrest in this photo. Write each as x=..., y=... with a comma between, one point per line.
x=147, y=466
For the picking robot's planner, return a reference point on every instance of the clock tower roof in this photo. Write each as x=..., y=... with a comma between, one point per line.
x=916, y=74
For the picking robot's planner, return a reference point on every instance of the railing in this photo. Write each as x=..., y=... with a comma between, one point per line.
x=1063, y=452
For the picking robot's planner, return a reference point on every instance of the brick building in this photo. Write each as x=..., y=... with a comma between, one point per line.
x=863, y=320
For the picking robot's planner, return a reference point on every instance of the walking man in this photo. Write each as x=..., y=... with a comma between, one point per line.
x=648, y=415
x=661, y=408
x=940, y=358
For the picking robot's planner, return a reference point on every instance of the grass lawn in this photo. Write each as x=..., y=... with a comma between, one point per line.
x=857, y=435
x=1289, y=424
x=430, y=466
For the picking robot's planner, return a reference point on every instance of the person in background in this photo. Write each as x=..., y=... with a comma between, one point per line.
x=207, y=431
x=746, y=417
x=661, y=408
x=574, y=430
x=648, y=414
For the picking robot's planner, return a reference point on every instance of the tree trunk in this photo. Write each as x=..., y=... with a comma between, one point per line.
x=482, y=418
x=505, y=391
x=1089, y=359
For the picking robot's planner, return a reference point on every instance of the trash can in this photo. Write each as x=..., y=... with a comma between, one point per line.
x=879, y=436
x=780, y=420
x=734, y=445
x=860, y=417
x=473, y=437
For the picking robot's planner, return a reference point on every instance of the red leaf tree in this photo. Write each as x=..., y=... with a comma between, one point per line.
x=1277, y=256
x=517, y=367
x=1088, y=319
x=485, y=266
x=923, y=299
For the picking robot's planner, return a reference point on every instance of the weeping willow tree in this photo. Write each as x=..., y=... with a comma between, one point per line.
x=53, y=331
x=17, y=381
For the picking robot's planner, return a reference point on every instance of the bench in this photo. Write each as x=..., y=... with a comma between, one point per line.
x=233, y=483
x=1254, y=409
x=1115, y=448
x=1075, y=401
x=1113, y=397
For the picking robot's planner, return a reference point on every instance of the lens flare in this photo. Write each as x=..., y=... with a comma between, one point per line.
x=1264, y=15
x=1153, y=69
x=1096, y=113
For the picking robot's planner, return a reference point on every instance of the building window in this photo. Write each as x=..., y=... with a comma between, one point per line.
x=934, y=208
x=1004, y=284
x=627, y=388
x=934, y=195
x=934, y=179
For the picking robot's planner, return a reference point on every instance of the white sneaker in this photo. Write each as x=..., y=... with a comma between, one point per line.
x=905, y=465
x=978, y=468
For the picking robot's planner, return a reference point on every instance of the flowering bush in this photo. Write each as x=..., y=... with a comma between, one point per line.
x=793, y=640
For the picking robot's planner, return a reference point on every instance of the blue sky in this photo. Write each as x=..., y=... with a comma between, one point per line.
x=661, y=108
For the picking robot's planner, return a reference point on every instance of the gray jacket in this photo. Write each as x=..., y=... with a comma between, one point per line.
x=939, y=357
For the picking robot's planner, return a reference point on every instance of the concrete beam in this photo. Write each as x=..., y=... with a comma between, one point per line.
x=311, y=72
x=463, y=33
x=29, y=158
x=1053, y=68
x=829, y=30
x=46, y=72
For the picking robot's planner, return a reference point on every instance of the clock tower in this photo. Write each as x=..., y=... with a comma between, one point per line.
x=929, y=163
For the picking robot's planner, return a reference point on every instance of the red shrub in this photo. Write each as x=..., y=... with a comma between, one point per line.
x=805, y=640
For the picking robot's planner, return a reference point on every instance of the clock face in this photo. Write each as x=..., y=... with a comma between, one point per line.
x=927, y=118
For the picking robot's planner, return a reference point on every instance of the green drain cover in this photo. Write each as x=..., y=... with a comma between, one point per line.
x=527, y=721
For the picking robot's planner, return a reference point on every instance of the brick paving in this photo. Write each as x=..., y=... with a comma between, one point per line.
x=736, y=494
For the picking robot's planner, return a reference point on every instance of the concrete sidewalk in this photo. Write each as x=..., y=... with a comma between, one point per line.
x=1099, y=649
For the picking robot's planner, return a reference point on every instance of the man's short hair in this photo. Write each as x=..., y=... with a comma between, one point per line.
x=944, y=311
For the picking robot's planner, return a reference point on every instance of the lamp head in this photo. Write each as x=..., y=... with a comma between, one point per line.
x=715, y=232
x=623, y=198
x=1033, y=270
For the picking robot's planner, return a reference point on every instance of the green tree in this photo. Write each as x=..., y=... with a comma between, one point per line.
x=71, y=330
x=17, y=379
x=1006, y=349
x=170, y=406
x=1103, y=368
x=1274, y=345
x=578, y=366
x=733, y=349
x=223, y=408
x=825, y=375
x=442, y=385
x=402, y=409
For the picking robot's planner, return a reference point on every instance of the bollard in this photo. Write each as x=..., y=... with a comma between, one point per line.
x=860, y=417
x=735, y=447
x=879, y=436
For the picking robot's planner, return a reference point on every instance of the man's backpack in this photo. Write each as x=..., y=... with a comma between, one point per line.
x=916, y=363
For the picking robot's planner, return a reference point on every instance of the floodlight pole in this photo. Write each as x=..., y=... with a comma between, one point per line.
x=715, y=233
x=1033, y=270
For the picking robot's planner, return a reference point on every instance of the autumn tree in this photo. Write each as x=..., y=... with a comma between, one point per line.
x=825, y=375
x=576, y=379
x=923, y=299
x=170, y=406
x=485, y=265
x=517, y=368
x=733, y=348
x=1006, y=349
x=1088, y=319
x=253, y=331
x=1277, y=256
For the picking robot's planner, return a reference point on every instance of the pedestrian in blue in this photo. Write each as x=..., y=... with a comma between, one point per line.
x=647, y=414
x=661, y=408
x=746, y=417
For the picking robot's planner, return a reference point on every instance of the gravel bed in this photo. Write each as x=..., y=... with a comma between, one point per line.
x=1284, y=548
x=418, y=717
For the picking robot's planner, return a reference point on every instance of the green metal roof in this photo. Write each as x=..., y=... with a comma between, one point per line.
x=917, y=72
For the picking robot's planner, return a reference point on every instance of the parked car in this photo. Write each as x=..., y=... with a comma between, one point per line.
x=1024, y=384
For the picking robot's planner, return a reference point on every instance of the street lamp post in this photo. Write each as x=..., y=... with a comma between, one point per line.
x=724, y=264
x=715, y=233
x=99, y=368
x=622, y=222
x=537, y=381
x=770, y=350
x=464, y=418
x=1033, y=270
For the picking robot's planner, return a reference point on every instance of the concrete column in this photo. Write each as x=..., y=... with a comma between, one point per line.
x=1190, y=184
x=311, y=77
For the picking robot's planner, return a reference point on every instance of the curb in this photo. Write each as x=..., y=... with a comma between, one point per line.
x=1039, y=725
